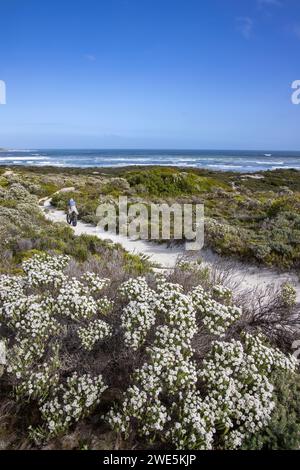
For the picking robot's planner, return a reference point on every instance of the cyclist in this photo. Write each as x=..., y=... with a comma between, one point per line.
x=72, y=207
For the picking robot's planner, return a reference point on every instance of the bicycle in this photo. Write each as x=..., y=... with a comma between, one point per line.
x=72, y=218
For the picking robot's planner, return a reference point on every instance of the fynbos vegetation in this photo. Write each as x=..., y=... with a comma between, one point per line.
x=98, y=350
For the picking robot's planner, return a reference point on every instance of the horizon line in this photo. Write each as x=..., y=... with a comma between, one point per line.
x=181, y=149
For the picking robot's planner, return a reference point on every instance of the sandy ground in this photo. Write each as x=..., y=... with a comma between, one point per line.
x=245, y=277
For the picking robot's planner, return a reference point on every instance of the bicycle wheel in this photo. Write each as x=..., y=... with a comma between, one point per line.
x=74, y=219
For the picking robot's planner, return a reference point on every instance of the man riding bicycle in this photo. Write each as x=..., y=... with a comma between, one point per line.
x=72, y=213
x=72, y=207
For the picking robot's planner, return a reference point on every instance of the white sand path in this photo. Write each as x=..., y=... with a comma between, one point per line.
x=245, y=277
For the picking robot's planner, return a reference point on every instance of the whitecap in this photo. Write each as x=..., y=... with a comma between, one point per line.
x=19, y=159
x=259, y=162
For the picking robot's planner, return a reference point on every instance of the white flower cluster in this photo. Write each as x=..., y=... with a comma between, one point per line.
x=95, y=331
x=94, y=282
x=215, y=316
x=194, y=426
x=238, y=399
x=150, y=413
x=169, y=369
x=288, y=295
x=31, y=317
x=163, y=285
x=72, y=402
x=237, y=381
x=137, y=318
x=104, y=305
x=218, y=406
x=74, y=301
x=265, y=358
x=37, y=383
x=222, y=293
x=11, y=288
x=37, y=321
x=14, y=309
x=136, y=289
x=23, y=356
x=45, y=270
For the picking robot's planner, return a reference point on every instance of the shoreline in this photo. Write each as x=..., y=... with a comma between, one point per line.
x=223, y=160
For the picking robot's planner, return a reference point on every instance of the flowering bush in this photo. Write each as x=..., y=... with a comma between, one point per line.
x=95, y=331
x=40, y=308
x=72, y=402
x=218, y=398
x=23, y=356
x=75, y=302
x=288, y=295
x=236, y=397
x=222, y=293
x=216, y=317
x=136, y=289
x=44, y=270
x=36, y=384
x=94, y=282
x=137, y=319
x=11, y=288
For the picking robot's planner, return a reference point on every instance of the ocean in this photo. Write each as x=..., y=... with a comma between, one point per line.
x=240, y=161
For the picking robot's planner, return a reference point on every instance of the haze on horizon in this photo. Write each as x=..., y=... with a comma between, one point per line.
x=165, y=74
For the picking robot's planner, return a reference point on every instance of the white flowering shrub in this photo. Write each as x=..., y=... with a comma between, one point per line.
x=37, y=322
x=266, y=358
x=215, y=406
x=288, y=295
x=136, y=289
x=72, y=402
x=139, y=405
x=39, y=310
x=94, y=282
x=95, y=331
x=104, y=305
x=169, y=368
x=37, y=383
x=197, y=381
x=216, y=317
x=194, y=424
x=11, y=288
x=222, y=293
x=137, y=319
x=23, y=356
x=75, y=302
x=46, y=270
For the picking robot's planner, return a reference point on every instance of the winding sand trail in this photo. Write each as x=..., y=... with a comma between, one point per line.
x=244, y=277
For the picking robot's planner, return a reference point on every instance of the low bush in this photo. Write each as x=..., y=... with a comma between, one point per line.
x=73, y=336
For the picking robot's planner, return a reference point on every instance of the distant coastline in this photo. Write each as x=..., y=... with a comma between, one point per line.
x=241, y=161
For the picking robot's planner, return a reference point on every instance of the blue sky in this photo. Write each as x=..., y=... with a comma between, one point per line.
x=150, y=73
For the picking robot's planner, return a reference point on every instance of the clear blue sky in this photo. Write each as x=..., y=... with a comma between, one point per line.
x=150, y=73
